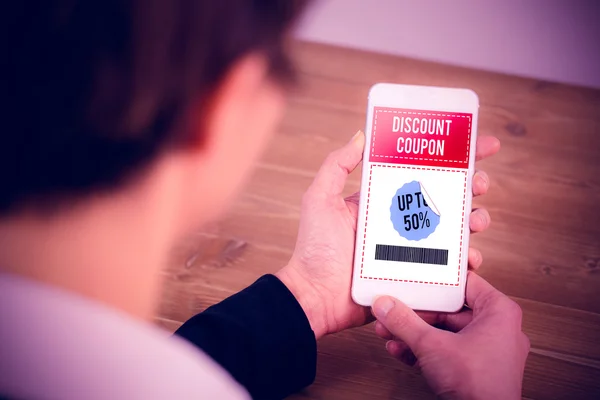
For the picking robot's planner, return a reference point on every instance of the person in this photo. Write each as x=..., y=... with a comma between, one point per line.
x=127, y=124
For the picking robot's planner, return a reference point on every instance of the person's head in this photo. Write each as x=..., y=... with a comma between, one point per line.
x=98, y=93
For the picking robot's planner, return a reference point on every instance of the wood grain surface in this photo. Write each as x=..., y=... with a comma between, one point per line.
x=542, y=248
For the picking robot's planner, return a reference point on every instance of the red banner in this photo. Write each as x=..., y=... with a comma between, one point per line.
x=418, y=137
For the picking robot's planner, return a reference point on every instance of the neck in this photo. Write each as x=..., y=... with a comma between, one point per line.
x=108, y=248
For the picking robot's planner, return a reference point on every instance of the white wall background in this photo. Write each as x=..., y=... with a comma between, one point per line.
x=555, y=40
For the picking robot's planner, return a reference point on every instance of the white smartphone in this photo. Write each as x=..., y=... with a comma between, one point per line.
x=413, y=224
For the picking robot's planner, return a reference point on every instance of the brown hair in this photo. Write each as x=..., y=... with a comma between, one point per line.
x=97, y=88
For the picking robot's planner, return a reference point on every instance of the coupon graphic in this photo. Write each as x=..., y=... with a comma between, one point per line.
x=411, y=216
x=414, y=221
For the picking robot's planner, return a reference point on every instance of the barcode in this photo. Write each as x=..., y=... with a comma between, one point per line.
x=411, y=254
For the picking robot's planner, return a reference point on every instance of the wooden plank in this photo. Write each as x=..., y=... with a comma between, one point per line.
x=361, y=67
x=567, y=137
x=564, y=342
x=355, y=361
x=542, y=247
x=550, y=378
x=552, y=144
x=351, y=378
x=191, y=289
x=564, y=257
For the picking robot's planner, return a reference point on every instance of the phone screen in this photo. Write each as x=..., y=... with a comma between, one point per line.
x=417, y=195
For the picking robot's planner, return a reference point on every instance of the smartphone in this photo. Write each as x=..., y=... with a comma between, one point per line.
x=412, y=236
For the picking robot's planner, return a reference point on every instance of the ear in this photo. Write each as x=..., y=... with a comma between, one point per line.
x=233, y=128
x=225, y=110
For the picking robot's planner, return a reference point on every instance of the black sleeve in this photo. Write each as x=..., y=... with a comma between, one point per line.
x=261, y=336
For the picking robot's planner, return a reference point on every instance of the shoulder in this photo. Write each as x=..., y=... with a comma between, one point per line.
x=60, y=345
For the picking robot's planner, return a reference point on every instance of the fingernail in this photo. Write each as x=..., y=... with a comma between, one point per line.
x=485, y=180
x=382, y=306
x=483, y=219
x=356, y=135
x=482, y=183
x=388, y=344
x=497, y=143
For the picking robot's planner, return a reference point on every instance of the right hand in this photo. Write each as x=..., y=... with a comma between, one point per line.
x=479, y=353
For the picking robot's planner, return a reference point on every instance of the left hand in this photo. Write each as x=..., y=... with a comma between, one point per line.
x=319, y=273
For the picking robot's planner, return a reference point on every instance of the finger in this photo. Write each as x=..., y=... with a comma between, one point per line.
x=479, y=220
x=456, y=321
x=353, y=198
x=401, y=321
x=352, y=204
x=364, y=317
x=475, y=259
x=453, y=322
x=401, y=351
x=480, y=292
x=430, y=317
x=486, y=146
x=395, y=348
x=382, y=331
x=481, y=183
x=331, y=178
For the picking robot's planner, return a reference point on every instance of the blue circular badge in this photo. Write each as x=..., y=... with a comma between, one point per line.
x=410, y=214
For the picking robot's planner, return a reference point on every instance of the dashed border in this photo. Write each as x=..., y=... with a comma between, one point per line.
x=462, y=225
x=378, y=110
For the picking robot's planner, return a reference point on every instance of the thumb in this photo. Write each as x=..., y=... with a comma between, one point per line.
x=401, y=321
x=331, y=178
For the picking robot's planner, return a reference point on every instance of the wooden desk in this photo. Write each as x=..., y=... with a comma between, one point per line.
x=542, y=249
